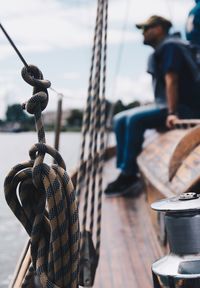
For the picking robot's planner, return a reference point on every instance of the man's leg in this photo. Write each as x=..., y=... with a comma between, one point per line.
x=142, y=118
x=137, y=120
x=119, y=127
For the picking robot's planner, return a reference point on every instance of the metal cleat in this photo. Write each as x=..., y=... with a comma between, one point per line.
x=88, y=262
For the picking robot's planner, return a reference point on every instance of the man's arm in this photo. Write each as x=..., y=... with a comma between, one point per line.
x=171, y=84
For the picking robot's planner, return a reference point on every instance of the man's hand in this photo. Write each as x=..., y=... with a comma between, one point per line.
x=170, y=121
x=171, y=82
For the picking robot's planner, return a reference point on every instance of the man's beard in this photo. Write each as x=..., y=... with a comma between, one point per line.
x=146, y=42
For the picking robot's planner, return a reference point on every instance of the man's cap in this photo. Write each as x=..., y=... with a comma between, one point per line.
x=154, y=21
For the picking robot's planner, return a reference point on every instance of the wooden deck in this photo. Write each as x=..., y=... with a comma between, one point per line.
x=129, y=244
x=155, y=159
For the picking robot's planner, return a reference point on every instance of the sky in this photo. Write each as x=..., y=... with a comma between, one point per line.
x=57, y=36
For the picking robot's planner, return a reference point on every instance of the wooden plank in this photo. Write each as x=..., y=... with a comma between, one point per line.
x=187, y=123
x=129, y=243
x=155, y=158
x=21, y=268
x=183, y=148
x=150, y=177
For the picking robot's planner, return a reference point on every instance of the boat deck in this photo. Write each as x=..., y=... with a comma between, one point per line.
x=129, y=243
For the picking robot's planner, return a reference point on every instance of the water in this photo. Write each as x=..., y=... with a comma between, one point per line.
x=13, y=150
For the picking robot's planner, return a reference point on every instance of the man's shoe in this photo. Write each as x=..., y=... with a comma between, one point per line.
x=121, y=186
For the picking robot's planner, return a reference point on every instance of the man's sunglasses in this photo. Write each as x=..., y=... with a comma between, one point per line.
x=146, y=28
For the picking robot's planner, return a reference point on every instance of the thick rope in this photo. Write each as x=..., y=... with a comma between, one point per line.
x=86, y=115
x=42, y=198
x=102, y=133
x=93, y=118
x=93, y=129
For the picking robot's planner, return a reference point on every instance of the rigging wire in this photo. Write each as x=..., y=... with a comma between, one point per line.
x=24, y=61
x=169, y=10
x=117, y=68
x=121, y=48
x=59, y=94
x=14, y=46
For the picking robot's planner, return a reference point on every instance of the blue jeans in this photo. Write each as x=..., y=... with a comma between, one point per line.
x=129, y=128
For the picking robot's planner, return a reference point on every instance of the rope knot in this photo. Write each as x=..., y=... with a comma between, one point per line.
x=37, y=101
x=33, y=76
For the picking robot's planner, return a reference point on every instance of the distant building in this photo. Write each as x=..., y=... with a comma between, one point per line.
x=50, y=117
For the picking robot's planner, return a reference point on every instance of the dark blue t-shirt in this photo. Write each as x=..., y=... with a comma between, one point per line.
x=169, y=58
x=193, y=25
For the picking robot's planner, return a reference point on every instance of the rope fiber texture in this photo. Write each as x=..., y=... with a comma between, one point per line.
x=93, y=141
x=42, y=197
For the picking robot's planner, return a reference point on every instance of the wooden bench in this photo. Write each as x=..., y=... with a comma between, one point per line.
x=161, y=155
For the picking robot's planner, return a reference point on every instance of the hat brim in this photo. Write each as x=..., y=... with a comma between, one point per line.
x=140, y=25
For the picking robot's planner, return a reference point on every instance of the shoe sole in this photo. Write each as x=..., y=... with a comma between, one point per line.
x=124, y=192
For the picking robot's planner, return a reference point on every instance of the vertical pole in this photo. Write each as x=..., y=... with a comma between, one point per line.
x=58, y=122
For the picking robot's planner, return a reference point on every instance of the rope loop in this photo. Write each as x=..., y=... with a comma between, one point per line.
x=19, y=173
x=41, y=170
x=33, y=76
x=46, y=149
x=48, y=211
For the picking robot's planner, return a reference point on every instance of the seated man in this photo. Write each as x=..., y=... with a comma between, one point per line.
x=177, y=95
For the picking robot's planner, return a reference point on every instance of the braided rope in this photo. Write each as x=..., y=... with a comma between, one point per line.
x=86, y=115
x=93, y=117
x=93, y=128
x=42, y=197
x=102, y=133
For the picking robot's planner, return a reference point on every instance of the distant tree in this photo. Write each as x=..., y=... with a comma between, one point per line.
x=132, y=105
x=15, y=113
x=118, y=107
x=75, y=118
x=114, y=108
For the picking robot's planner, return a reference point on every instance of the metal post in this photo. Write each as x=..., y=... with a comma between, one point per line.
x=58, y=121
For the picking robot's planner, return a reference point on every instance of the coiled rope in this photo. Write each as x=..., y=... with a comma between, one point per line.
x=42, y=197
x=94, y=121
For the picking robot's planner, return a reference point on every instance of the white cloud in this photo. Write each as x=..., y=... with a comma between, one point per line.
x=136, y=11
x=129, y=89
x=41, y=26
x=71, y=76
x=116, y=36
x=46, y=24
x=5, y=51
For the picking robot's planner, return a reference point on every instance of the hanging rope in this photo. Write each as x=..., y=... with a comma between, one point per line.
x=93, y=127
x=43, y=199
